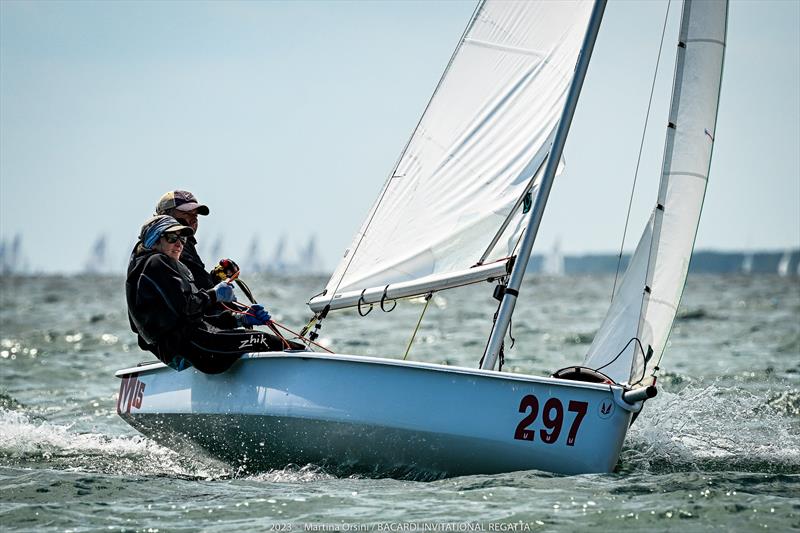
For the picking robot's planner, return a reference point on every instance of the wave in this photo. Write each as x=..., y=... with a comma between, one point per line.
x=293, y=474
x=715, y=428
x=27, y=441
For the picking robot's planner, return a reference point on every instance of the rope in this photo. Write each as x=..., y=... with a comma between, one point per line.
x=272, y=323
x=641, y=146
x=413, y=335
x=301, y=338
x=268, y=324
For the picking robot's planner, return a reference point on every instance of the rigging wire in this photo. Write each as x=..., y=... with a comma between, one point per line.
x=428, y=298
x=272, y=325
x=301, y=338
x=641, y=146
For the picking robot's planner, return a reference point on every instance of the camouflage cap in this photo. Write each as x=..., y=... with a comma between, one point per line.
x=180, y=200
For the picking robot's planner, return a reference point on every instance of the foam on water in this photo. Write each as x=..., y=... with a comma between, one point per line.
x=714, y=428
x=26, y=441
x=292, y=474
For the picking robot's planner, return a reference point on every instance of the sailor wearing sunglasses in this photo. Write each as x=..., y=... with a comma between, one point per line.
x=174, y=319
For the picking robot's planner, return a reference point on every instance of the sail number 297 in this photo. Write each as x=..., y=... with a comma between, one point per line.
x=552, y=419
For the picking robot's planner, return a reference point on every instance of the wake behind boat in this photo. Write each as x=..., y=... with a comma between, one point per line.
x=463, y=205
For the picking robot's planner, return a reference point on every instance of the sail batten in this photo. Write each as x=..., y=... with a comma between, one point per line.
x=478, y=147
x=506, y=48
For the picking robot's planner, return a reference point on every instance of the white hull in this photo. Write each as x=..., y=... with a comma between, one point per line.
x=380, y=417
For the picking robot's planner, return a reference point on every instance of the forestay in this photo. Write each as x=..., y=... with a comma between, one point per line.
x=644, y=306
x=479, y=146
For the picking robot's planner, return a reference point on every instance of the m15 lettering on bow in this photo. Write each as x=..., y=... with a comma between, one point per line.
x=131, y=392
x=552, y=419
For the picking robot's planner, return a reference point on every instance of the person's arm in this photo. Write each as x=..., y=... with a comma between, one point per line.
x=163, y=278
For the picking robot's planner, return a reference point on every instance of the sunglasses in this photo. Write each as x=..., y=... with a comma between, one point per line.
x=172, y=238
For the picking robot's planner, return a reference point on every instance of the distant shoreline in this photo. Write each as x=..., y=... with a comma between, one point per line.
x=703, y=262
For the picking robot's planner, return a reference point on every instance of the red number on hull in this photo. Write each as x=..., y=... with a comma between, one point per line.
x=552, y=419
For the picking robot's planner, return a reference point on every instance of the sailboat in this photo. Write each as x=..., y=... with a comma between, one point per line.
x=554, y=261
x=783, y=263
x=476, y=173
x=309, y=260
x=747, y=263
x=97, y=261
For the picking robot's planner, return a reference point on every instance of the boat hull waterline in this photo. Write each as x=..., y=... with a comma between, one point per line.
x=378, y=417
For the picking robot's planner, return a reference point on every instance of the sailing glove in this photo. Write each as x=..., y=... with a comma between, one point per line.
x=224, y=291
x=256, y=316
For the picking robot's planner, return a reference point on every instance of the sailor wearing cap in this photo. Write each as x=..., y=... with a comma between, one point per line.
x=184, y=207
x=174, y=319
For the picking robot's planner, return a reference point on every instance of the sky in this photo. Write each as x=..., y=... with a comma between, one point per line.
x=285, y=118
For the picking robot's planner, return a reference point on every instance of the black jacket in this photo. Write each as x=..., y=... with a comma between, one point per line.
x=164, y=303
x=190, y=258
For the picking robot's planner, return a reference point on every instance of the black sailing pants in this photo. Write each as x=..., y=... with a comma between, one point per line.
x=213, y=352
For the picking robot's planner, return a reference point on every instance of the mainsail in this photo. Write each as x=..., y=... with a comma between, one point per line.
x=451, y=211
x=633, y=336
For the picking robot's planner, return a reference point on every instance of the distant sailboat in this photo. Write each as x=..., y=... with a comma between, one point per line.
x=783, y=264
x=747, y=263
x=97, y=260
x=11, y=261
x=278, y=263
x=310, y=262
x=252, y=262
x=554, y=261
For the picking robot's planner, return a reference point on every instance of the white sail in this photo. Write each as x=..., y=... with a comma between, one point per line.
x=666, y=246
x=309, y=260
x=747, y=263
x=554, y=261
x=484, y=136
x=97, y=261
x=783, y=264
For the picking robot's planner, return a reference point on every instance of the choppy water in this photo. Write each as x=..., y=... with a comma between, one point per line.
x=718, y=449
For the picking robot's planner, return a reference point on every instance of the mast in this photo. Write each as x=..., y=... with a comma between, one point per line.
x=535, y=216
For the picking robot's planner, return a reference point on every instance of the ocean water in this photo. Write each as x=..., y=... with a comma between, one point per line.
x=717, y=450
